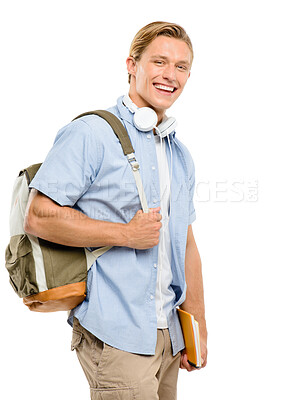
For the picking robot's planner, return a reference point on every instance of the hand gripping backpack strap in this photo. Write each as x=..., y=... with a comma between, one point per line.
x=128, y=151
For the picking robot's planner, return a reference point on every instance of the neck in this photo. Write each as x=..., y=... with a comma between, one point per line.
x=140, y=102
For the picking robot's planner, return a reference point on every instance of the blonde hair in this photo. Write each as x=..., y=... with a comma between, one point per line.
x=148, y=33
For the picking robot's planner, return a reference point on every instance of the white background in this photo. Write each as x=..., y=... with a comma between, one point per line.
x=61, y=58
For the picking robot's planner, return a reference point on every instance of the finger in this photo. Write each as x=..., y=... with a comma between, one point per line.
x=181, y=363
x=185, y=361
x=154, y=216
x=157, y=216
x=155, y=210
x=186, y=364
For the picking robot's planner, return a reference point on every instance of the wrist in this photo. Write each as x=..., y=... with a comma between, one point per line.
x=123, y=235
x=203, y=330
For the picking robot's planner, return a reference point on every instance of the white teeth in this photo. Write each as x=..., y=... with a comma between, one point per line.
x=169, y=89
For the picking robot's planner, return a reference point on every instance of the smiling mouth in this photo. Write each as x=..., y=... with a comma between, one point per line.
x=165, y=88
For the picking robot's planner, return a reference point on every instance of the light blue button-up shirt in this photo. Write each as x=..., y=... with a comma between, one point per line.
x=86, y=169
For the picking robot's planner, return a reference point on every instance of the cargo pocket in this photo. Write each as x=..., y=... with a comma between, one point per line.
x=112, y=394
x=76, y=341
x=20, y=265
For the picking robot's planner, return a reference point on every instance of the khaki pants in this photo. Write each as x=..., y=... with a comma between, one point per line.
x=119, y=375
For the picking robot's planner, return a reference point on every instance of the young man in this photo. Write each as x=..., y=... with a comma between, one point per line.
x=126, y=333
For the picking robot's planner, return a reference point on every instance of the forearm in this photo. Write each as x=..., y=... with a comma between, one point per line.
x=194, y=302
x=70, y=227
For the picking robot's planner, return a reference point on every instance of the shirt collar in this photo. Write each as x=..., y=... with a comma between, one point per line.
x=124, y=112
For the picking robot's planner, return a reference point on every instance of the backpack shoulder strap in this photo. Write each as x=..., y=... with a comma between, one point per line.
x=30, y=172
x=126, y=145
x=117, y=127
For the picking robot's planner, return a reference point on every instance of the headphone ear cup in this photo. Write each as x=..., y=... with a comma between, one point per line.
x=145, y=119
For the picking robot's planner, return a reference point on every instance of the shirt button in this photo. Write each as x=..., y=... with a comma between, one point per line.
x=155, y=265
x=148, y=136
x=151, y=297
x=153, y=167
x=155, y=200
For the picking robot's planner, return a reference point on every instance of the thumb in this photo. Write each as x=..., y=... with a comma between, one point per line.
x=139, y=212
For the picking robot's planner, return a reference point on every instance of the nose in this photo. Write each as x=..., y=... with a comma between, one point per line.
x=169, y=72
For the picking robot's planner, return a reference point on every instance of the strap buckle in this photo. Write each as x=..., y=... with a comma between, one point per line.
x=133, y=162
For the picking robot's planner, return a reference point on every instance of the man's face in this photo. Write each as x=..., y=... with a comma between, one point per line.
x=159, y=77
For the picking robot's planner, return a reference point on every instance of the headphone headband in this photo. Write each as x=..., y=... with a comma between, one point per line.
x=129, y=104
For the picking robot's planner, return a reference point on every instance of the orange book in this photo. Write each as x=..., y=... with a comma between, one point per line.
x=190, y=330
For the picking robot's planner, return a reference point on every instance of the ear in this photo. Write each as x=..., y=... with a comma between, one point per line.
x=131, y=66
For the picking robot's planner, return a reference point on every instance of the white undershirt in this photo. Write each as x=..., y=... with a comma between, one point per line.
x=164, y=294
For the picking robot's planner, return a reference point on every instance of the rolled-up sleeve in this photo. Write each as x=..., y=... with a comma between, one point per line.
x=192, y=212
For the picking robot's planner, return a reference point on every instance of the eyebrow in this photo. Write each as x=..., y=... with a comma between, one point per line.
x=166, y=58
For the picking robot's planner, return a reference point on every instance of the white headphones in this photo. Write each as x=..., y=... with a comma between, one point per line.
x=145, y=119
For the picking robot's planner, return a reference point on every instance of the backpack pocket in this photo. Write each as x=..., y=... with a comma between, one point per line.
x=20, y=265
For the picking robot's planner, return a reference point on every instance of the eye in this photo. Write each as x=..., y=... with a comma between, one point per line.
x=159, y=62
x=182, y=68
